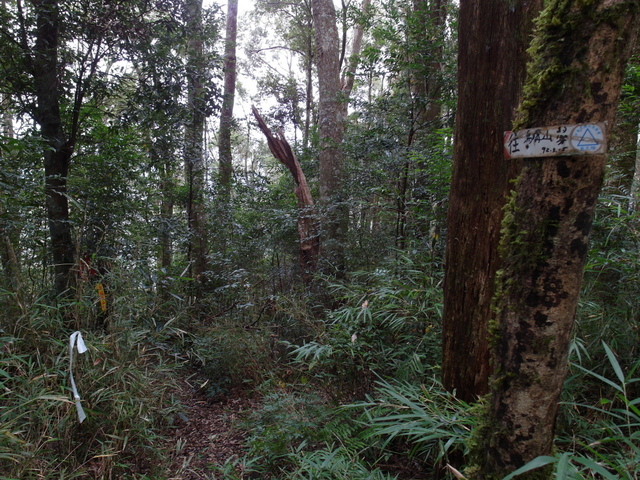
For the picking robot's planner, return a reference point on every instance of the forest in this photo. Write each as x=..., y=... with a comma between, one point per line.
x=310, y=239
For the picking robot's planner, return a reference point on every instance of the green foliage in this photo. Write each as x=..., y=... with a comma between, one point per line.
x=295, y=435
x=430, y=423
x=380, y=342
x=287, y=424
x=610, y=303
x=124, y=383
x=334, y=464
x=389, y=326
x=228, y=355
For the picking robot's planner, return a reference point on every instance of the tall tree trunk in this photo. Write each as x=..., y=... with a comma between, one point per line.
x=194, y=141
x=331, y=124
x=226, y=114
x=58, y=149
x=307, y=218
x=491, y=65
x=579, y=55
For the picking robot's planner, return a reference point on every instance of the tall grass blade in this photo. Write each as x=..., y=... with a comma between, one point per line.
x=614, y=363
x=532, y=465
x=596, y=467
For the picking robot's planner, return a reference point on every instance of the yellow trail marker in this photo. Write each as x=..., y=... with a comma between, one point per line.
x=102, y=295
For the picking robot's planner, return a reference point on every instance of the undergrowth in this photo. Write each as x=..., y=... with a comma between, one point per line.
x=388, y=326
x=125, y=382
x=349, y=392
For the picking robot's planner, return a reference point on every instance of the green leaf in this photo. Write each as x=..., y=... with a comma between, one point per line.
x=532, y=465
x=614, y=363
x=563, y=466
x=596, y=467
x=600, y=377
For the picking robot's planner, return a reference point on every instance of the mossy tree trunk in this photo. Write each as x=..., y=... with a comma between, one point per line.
x=579, y=52
x=493, y=37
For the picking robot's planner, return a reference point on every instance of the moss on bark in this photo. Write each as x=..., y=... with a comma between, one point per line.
x=578, y=57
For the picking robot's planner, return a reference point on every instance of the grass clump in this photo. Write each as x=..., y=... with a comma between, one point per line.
x=388, y=325
x=125, y=385
x=227, y=356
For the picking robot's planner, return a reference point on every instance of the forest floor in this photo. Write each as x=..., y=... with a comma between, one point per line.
x=209, y=436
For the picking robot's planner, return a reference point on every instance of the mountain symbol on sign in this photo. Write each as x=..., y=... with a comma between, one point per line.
x=588, y=139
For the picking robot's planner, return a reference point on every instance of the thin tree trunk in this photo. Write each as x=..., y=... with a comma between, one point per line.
x=226, y=114
x=58, y=149
x=401, y=205
x=429, y=40
x=635, y=184
x=307, y=217
x=580, y=52
x=309, y=96
x=349, y=75
x=165, y=241
x=402, y=198
x=194, y=141
x=491, y=65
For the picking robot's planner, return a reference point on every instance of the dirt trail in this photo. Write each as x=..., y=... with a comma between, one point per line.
x=209, y=436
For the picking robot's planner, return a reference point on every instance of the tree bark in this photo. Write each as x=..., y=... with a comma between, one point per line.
x=307, y=217
x=579, y=55
x=58, y=148
x=194, y=140
x=226, y=114
x=331, y=123
x=349, y=75
x=491, y=66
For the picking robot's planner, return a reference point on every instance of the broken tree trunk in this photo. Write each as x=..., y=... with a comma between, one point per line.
x=307, y=219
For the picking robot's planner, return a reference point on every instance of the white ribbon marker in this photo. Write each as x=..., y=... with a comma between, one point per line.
x=76, y=340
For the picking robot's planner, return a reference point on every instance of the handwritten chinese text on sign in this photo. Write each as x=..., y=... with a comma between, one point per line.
x=584, y=139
